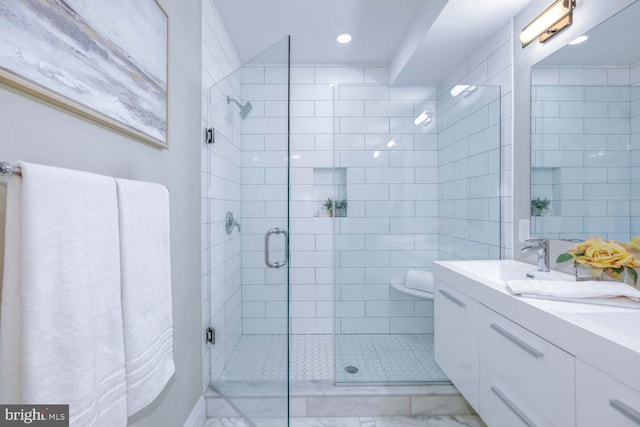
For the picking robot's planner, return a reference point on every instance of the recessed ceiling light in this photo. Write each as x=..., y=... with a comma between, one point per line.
x=579, y=40
x=343, y=38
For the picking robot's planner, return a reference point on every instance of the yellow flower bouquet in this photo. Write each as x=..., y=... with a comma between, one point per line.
x=608, y=257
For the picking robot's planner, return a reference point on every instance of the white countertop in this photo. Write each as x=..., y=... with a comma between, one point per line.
x=604, y=336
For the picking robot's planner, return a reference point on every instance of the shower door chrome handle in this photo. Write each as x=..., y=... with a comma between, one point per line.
x=285, y=261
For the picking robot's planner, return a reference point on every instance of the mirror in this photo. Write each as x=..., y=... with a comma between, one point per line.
x=585, y=142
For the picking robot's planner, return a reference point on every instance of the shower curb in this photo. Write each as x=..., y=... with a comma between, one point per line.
x=322, y=399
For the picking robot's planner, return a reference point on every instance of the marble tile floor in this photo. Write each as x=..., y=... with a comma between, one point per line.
x=378, y=358
x=422, y=421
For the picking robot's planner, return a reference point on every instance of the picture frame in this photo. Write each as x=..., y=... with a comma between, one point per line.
x=105, y=61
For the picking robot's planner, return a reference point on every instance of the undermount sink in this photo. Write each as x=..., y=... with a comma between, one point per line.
x=501, y=271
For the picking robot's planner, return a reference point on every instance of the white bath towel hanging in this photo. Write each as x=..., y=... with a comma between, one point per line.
x=146, y=289
x=61, y=333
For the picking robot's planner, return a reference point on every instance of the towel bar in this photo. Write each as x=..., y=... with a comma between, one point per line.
x=8, y=169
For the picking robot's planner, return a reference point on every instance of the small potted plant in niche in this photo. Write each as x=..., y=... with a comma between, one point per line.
x=540, y=206
x=341, y=207
x=328, y=205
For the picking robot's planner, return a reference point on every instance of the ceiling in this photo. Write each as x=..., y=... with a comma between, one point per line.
x=422, y=40
x=613, y=42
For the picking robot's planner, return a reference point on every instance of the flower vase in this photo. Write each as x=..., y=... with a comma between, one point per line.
x=583, y=273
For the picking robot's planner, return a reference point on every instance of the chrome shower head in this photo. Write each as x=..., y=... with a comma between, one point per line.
x=244, y=109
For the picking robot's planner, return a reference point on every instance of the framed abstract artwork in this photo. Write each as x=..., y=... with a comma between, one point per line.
x=104, y=60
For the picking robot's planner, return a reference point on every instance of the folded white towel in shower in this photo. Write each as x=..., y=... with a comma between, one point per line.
x=420, y=280
x=61, y=334
x=146, y=289
x=567, y=291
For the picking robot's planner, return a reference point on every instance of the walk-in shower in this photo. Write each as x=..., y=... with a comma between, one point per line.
x=367, y=193
x=420, y=169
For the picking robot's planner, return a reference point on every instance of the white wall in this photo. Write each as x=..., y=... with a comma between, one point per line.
x=221, y=192
x=35, y=131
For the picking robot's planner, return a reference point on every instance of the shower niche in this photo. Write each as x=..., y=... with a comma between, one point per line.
x=330, y=192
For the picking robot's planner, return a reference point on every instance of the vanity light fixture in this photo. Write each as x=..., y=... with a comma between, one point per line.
x=343, y=38
x=578, y=40
x=423, y=118
x=555, y=18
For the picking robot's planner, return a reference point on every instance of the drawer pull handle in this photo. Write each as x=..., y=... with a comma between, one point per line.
x=625, y=410
x=453, y=299
x=513, y=406
x=517, y=341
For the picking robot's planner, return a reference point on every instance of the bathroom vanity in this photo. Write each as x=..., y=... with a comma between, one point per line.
x=534, y=362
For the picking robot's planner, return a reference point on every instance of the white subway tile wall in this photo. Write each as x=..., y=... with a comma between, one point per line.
x=221, y=178
x=404, y=175
x=395, y=174
x=634, y=73
x=581, y=142
x=491, y=64
x=392, y=171
x=264, y=192
x=469, y=183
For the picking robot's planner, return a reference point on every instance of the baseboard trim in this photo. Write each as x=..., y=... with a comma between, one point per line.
x=198, y=414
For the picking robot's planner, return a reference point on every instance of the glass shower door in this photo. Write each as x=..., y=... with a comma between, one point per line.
x=417, y=170
x=247, y=187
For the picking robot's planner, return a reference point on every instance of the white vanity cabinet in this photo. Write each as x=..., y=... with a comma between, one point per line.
x=502, y=406
x=531, y=362
x=538, y=371
x=456, y=340
x=511, y=376
x=604, y=401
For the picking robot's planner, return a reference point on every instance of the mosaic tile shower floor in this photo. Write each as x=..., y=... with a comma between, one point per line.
x=378, y=358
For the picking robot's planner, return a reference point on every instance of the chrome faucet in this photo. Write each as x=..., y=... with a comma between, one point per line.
x=541, y=247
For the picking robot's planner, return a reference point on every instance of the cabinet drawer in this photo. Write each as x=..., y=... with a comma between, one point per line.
x=603, y=400
x=501, y=406
x=456, y=340
x=541, y=373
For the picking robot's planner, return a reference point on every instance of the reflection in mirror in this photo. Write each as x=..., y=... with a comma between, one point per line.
x=585, y=142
